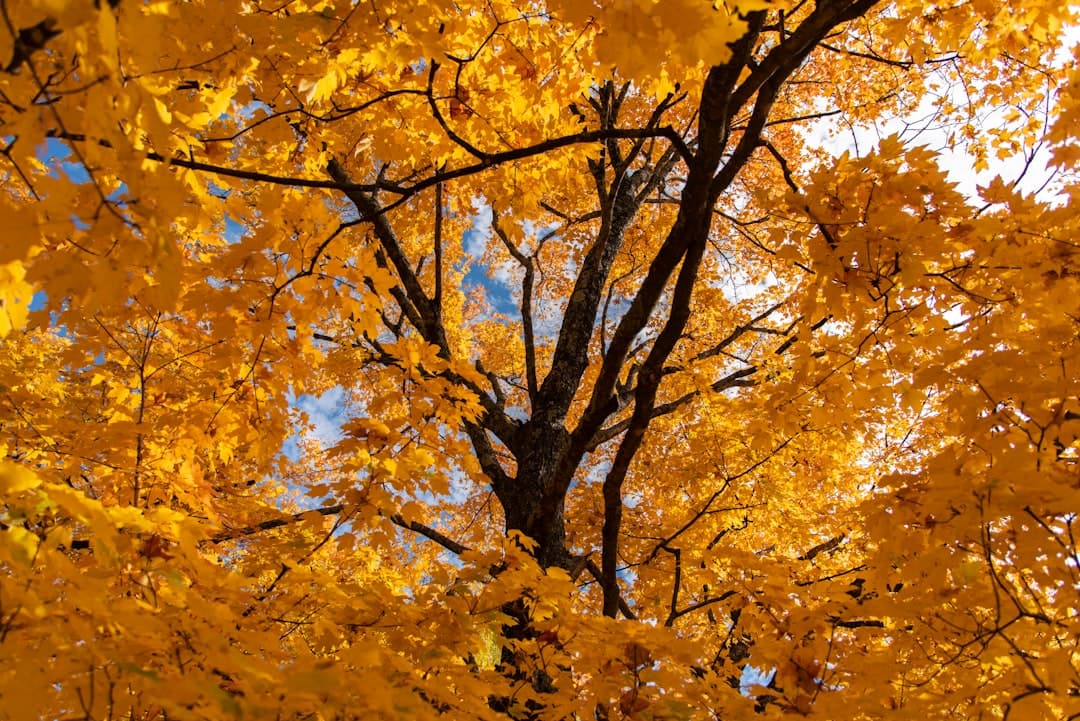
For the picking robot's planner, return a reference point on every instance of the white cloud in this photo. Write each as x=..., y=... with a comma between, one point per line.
x=325, y=415
x=476, y=238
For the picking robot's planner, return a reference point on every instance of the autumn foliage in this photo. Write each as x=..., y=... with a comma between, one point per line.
x=567, y=359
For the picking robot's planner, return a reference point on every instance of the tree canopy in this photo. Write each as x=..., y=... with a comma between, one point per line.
x=553, y=359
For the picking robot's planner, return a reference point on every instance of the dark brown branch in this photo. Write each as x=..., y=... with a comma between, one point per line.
x=830, y=577
x=645, y=394
x=789, y=54
x=902, y=64
x=486, y=455
x=801, y=118
x=396, y=518
x=704, y=603
x=527, y=331
x=784, y=167
x=437, y=299
x=437, y=114
x=735, y=379
x=739, y=331
x=429, y=532
x=585, y=137
x=828, y=545
x=790, y=180
x=338, y=114
x=858, y=623
x=644, y=400
x=607, y=306
x=676, y=584
x=750, y=138
x=690, y=230
x=372, y=212
x=428, y=322
x=26, y=41
x=273, y=523
x=624, y=608
x=620, y=204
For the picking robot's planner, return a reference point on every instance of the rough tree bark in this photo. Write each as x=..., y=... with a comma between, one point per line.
x=547, y=452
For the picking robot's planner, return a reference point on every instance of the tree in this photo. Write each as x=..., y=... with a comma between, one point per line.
x=672, y=374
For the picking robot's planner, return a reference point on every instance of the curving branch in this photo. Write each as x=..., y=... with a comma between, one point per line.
x=585, y=137
x=527, y=283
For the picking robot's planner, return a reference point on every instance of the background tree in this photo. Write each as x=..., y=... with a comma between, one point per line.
x=675, y=376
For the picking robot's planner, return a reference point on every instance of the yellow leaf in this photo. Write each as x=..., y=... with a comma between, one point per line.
x=15, y=296
x=106, y=27
x=15, y=478
x=24, y=544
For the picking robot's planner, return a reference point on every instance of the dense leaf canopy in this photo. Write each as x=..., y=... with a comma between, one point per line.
x=489, y=359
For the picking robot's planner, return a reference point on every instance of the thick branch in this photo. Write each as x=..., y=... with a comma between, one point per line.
x=824, y=547
x=429, y=532
x=783, y=59
x=644, y=400
x=431, y=329
x=429, y=320
x=527, y=331
x=624, y=608
x=437, y=300
x=691, y=228
x=485, y=454
x=619, y=205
